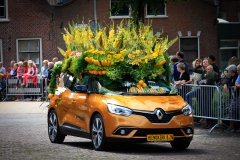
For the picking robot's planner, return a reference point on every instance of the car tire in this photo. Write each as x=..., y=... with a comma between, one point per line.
x=98, y=137
x=180, y=145
x=54, y=133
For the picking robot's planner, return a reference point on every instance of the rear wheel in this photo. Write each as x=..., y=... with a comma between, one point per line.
x=99, y=140
x=180, y=145
x=54, y=133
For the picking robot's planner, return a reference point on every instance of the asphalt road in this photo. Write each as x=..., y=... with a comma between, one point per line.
x=23, y=135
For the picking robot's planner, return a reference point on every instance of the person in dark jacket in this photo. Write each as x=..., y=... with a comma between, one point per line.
x=232, y=70
x=175, y=72
x=49, y=71
x=180, y=56
x=211, y=60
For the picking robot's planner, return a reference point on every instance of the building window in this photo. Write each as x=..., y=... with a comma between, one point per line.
x=156, y=12
x=228, y=49
x=223, y=15
x=124, y=12
x=3, y=10
x=238, y=16
x=1, y=53
x=29, y=49
x=190, y=48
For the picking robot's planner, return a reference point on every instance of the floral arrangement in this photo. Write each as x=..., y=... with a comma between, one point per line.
x=127, y=52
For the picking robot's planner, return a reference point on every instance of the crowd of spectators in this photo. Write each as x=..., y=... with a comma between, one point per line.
x=206, y=72
x=23, y=71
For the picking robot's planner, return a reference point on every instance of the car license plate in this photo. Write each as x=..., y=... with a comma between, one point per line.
x=160, y=137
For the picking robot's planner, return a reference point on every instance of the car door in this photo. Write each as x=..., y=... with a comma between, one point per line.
x=66, y=101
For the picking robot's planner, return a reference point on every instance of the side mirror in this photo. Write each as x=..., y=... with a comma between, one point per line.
x=81, y=89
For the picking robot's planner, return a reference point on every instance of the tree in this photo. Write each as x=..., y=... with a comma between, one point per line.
x=137, y=7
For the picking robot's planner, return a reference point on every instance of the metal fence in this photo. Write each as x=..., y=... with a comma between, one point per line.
x=212, y=102
x=14, y=87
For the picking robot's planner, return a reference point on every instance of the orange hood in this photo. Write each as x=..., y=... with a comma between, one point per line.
x=147, y=103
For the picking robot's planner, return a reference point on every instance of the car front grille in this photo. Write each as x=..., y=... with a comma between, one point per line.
x=145, y=132
x=152, y=117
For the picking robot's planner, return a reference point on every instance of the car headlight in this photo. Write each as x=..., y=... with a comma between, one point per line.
x=119, y=110
x=187, y=110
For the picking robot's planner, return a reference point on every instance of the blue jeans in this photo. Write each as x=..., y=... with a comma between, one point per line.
x=190, y=95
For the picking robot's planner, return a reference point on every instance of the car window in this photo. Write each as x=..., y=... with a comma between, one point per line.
x=69, y=81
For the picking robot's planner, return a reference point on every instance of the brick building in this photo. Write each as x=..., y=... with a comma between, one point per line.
x=31, y=29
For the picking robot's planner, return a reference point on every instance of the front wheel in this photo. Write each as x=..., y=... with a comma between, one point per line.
x=180, y=145
x=54, y=133
x=99, y=141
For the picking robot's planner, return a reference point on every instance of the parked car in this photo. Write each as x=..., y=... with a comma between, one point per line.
x=108, y=114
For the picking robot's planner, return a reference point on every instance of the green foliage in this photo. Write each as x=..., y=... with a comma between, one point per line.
x=167, y=72
x=78, y=66
x=67, y=64
x=56, y=71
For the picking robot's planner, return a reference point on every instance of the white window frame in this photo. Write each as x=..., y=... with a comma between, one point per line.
x=157, y=16
x=6, y=18
x=238, y=16
x=226, y=48
x=120, y=17
x=40, y=50
x=1, y=52
x=191, y=37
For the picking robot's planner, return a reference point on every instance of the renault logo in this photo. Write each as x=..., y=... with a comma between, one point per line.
x=159, y=114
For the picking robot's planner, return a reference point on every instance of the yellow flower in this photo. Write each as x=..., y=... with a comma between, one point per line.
x=155, y=54
x=109, y=57
x=131, y=56
x=101, y=52
x=113, y=52
x=117, y=56
x=138, y=51
x=121, y=58
x=67, y=53
x=90, y=33
x=95, y=51
x=111, y=34
x=123, y=51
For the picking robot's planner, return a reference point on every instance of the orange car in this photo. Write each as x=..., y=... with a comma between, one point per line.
x=92, y=111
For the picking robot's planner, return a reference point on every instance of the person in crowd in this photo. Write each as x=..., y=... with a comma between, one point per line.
x=225, y=75
x=19, y=77
x=44, y=69
x=196, y=78
x=10, y=68
x=55, y=59
x=175, y=73
x=202, y=69
x=184, y=76
x=25, y=67
x=207, y=94
x=237, y=90
x=50, y=67
x=230, y=83
x=211, y=60
x=29, y=74
x=211, y=76
x=2, y=85
x=180, y=56
x=2, y=82
x=2, y=69
x=13, y=72
x=20, y=70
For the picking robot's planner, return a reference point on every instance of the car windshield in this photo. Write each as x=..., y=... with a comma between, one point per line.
x=127, y=87
x=96, y=85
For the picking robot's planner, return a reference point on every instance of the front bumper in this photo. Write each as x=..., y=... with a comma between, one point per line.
x=137, y=127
